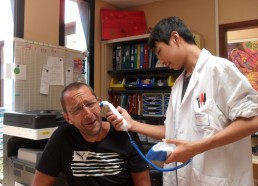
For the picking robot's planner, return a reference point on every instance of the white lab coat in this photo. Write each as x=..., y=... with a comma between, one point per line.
x=228, y=96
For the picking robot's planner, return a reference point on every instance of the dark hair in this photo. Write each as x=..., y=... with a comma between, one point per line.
x=162, y=31
x=73, y=86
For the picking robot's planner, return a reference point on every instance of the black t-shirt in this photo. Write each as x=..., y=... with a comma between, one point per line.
x=107, y=162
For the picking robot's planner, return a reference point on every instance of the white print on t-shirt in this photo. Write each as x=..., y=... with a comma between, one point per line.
x=86, y=163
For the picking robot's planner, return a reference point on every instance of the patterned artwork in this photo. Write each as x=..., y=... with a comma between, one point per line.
x=245, y=56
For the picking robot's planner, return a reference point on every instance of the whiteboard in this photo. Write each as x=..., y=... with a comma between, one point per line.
x=34, y=55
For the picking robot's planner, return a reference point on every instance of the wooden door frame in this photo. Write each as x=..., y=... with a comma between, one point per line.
x=223, y=28
x=1, y=76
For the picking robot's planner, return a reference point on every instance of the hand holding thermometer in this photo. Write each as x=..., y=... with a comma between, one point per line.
x=111, y=108
x=157, y=152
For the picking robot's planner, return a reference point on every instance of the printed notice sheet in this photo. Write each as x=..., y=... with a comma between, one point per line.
x=56, y=67
x=45, y=79
x=15, y=71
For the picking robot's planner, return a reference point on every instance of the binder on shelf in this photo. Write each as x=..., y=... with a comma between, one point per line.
x=129, y=106
x=123, y=66
x=127, y=57
x=116, y=100
x=139, y=98
x=124, y=100
x=150, y=58
x=154, y=60
x=110, y=98
x=134, y=104
x=138, y=56
x=141, y=55
x=114, y=57
x=132, y=54
x=146, y=56
x=135, y=56
x=118, y=57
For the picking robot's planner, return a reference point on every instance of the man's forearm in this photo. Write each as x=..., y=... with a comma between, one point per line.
x=238, y=129
x=154, y=131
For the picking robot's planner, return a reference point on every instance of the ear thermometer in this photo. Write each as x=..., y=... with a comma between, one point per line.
x=111, y=108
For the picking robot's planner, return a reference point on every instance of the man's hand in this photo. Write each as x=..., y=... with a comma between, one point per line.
x=118, y=122
x=184, y=150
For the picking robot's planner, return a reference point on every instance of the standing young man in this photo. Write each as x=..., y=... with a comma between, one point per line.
x=212, y=110
x=88, y=151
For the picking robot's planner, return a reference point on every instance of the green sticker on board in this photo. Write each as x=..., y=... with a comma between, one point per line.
x=17, y=70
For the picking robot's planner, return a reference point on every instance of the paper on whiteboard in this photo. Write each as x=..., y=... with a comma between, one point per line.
x=21, y=75
x=15, y=71
x=45, y=80
x=9, y=71
x=56, y=67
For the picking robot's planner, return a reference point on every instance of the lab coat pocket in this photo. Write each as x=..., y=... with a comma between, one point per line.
x=202, y=113
x=207, y=117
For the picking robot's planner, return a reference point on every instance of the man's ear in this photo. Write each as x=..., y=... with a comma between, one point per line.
x=174, y=36
x=98, y=99
x=66, y=117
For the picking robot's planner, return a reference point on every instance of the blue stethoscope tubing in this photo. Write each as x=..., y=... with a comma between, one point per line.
x=152, y=164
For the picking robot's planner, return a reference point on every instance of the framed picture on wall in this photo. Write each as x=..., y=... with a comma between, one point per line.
x=244, y=54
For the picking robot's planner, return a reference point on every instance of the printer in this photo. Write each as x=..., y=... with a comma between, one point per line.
x=25, y=135
x=36, y=119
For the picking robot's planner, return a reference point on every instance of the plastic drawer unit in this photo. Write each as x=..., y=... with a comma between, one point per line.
x=152, y=104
